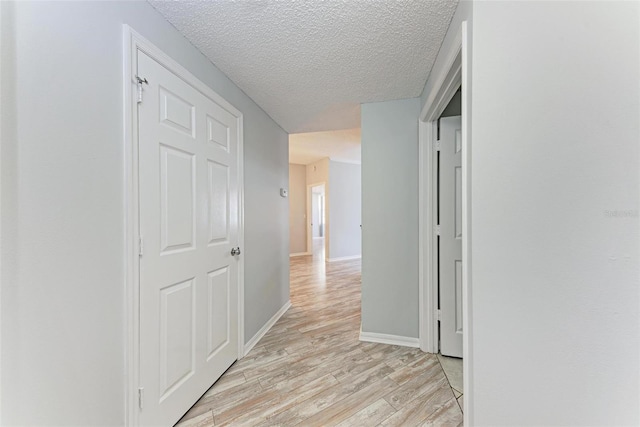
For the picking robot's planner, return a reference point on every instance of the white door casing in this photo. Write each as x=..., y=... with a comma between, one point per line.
x=453, y=71
x=189, y=220
x=450, y=249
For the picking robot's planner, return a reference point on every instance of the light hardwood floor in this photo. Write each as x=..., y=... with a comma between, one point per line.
x=311, y=370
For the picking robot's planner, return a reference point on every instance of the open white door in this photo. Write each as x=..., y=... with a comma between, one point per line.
x=189, y=219
x=450, y=216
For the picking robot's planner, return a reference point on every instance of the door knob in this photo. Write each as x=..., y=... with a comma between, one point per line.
x=235, y=251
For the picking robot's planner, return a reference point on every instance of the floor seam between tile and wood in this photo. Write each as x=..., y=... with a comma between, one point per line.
x=310, y=369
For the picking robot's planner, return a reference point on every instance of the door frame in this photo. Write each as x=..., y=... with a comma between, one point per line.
x=456, y=73
x=132, y=42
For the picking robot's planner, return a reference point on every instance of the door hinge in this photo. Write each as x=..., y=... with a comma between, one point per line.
x=437, y=230
x=140, y=246
x=140, y=81
x=439, y=314
x=436, y=145
x=141, y=397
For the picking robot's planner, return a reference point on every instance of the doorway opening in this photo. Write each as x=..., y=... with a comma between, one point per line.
x=445, y=325
x=325, y=195
x=324, y=211
x=317, y=216
x=448, y=165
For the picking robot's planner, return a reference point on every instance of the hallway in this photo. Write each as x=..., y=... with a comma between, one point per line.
x=311, y=369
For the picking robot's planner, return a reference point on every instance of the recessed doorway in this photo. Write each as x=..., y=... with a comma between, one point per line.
x=318, y=222
x=445, y=219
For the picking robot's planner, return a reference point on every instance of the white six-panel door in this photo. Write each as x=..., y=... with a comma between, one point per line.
x=450, y=249
x=189, y=218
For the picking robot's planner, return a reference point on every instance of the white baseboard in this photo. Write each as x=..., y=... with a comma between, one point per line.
x=344, y=258
x=254, y=340
x=389, y=339
x=300, y=254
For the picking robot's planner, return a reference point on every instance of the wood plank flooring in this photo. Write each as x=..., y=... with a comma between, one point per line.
x=310, y=369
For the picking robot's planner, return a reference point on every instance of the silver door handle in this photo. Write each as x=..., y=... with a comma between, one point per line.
x=235, y=251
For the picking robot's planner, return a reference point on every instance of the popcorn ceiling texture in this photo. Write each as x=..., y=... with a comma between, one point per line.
x=309, y=64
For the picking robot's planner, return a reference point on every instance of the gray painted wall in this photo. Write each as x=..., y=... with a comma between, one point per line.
x=346, y=193
x=390, y=217
x=454, y=108
x=62, y=161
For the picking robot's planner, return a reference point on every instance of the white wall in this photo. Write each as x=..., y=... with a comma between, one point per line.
x=390, y=217
x=346, y=213
x=62, y=207
x=555, y=184
x=555, y=277
x=297, y=208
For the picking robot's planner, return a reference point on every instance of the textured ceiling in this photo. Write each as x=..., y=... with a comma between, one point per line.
x=339, y=145
x=308, y=63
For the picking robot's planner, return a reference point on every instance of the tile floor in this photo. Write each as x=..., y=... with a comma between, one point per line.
x=452, y=367
x=310, y=369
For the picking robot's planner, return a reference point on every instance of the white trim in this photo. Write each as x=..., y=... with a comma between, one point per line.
x=425, y=341
x=437, y=101
x=132, y=43
x=131, y=291
x=299, y=254
x=344, y=258
x=241, y=352
x=456, y=73
x=389, y=339
x=3, y=31
x=467, y=290
x=263, y=331
x=427, y=268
